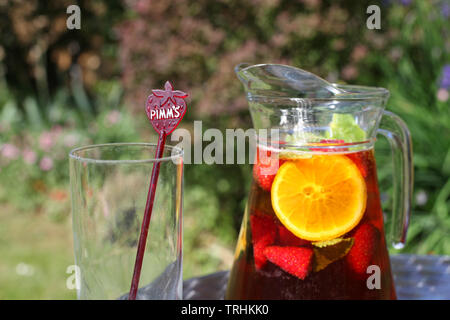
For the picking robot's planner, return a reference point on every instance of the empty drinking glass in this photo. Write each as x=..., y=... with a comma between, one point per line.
x=109, y=185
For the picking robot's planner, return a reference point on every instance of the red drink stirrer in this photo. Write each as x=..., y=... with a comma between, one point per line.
x=165, y=109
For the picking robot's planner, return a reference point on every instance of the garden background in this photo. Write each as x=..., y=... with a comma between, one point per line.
x=63, y=88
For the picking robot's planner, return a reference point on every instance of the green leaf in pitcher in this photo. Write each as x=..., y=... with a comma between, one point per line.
x=344, y=127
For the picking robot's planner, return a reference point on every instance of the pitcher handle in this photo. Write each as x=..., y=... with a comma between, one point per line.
x=397, y=133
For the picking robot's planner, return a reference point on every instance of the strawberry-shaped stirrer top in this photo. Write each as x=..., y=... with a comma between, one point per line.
x=165, y=109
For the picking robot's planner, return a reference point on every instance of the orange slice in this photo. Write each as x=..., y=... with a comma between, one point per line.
x=320, y=198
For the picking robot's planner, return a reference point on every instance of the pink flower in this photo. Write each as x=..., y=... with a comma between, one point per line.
x=46, y=164
x=142, y=6
x=29, y=156
x=442, y=95
x=395, y=53
x=10, y=151
x=46, y=141
x=70, y=140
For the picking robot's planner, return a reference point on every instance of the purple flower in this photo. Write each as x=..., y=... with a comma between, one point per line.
x=10, y=151
x=405, y=2
x=445, y=80
x=46, y=164
x=47, y=139
x=29, y=156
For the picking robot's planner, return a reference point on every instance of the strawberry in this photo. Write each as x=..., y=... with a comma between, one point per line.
x=287, y=238
x=296, y=261
x=366, y=238
x=265, y=168
x=362, y=161
x=263, y=234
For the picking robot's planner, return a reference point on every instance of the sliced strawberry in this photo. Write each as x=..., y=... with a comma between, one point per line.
x=366, y=238
x=263, y=234
x=332, y=141
x=325, y=142
x=362, y=161
x=266, y=167
x=294, y=260
x=287, y=238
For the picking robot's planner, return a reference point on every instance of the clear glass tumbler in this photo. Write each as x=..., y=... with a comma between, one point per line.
x=109, y=186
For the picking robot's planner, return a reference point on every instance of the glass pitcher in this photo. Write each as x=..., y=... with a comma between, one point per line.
x=313, y=226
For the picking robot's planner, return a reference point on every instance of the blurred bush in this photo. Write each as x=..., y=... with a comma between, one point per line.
x=198, y=43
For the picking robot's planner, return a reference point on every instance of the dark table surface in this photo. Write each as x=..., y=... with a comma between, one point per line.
x=416, y=277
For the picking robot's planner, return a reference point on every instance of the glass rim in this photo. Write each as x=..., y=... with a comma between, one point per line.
x=319, y=148
x=176, y=153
